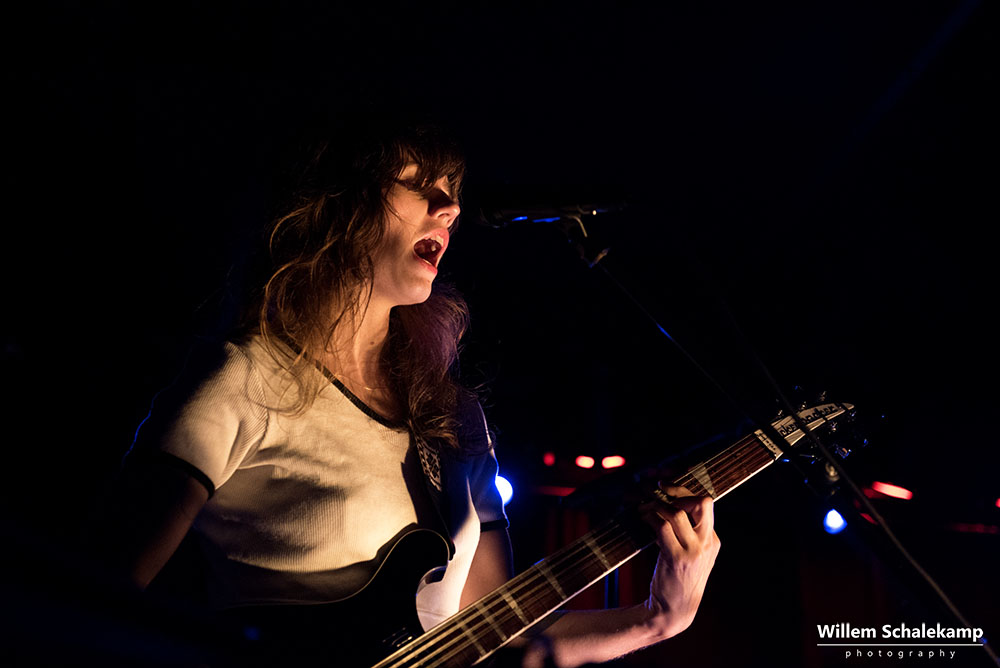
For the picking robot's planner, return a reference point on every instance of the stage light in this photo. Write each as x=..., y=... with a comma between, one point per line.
x=505, y=488
x=998, y=503
x=975, y=528
x=554, y=490
x=834, y=522
x=549, y=459
x=613, y=462
x=585, y=462
x=892, y=490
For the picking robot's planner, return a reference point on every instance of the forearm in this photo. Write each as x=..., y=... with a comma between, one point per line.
x=686, y=557
x=595, y=636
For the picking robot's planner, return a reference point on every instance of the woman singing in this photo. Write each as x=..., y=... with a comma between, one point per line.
x=301, y=449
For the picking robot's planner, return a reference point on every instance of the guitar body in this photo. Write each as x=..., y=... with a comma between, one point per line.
x=355, y=632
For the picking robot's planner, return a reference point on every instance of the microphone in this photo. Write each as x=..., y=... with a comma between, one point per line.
x=512, y=206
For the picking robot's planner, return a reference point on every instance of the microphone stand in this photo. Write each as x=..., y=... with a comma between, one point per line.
x=592, y=253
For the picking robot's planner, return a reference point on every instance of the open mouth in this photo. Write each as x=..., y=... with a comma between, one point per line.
x=430, y=249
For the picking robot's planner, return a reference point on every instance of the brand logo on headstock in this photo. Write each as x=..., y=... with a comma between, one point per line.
x=788, y=426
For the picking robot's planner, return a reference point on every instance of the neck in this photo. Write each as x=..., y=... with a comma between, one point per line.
x=356, y=348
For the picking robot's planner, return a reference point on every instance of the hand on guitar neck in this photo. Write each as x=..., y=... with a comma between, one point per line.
x=685, y=534
x=688, y=545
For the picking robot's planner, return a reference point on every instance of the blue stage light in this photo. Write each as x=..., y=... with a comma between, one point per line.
x=834, y=522
x=505, y=488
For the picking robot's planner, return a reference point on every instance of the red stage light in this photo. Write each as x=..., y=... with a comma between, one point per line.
x=976, y=528
x=585, y=462
x=554, y=490
x=892, y=490
x=613, y=462
x=549, y=458
x=998, y=503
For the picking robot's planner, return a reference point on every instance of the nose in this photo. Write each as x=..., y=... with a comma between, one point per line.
x=443, y=208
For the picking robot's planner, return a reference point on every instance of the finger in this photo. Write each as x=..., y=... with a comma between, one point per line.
x=666, y=538
x=702, y=512
x=651, y=513
x=675, y=491
x=681, y=527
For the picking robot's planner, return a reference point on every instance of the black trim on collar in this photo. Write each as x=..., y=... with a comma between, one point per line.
x=362, y=406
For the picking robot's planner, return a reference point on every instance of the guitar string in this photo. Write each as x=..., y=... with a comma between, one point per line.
x=505, y=613
x=623, y=539
x=494, y=603
x=501, y=611
x=753, y=439
x=741, y=465
x=498, y=609
x=744, y=466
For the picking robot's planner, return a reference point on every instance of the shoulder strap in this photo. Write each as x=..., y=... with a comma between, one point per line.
x=473, y=437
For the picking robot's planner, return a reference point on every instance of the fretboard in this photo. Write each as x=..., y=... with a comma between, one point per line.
x=485, y=626
x=492, y=621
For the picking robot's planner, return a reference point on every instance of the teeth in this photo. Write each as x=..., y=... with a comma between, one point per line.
x=429, y=247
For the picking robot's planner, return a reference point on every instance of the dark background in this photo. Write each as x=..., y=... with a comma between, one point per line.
x=810, y=189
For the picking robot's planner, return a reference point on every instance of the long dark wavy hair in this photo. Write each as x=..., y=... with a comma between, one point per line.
x=321, y=246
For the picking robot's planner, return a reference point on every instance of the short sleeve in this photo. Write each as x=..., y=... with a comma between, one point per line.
x=211, y=417
x=477, y=439
x=485, y=495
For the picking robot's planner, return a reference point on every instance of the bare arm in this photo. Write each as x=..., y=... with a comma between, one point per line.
x=688, y=548
x=147, y=514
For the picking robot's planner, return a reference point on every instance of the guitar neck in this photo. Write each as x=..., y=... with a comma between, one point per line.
x=485, y=626
x=492, y=621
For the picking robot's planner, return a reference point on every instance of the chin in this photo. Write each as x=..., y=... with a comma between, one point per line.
x=416, y=297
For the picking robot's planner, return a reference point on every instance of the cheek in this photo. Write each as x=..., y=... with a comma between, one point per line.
x=396, y=243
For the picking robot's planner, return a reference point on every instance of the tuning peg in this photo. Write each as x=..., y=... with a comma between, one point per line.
x=797, y=398
x=821, y=398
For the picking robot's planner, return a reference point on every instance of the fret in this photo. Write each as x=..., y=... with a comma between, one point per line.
x=733, y=466
x=768, y=443
x=491, y=620
x=700, y=473
x=752, y=474
x=515, y=607
x=596, y=549
x=472, y=637
x=544, y=569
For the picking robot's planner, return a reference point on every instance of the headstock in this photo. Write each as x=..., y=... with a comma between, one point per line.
x=833, y=422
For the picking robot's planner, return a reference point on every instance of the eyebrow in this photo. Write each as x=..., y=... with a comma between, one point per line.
x=410, y=182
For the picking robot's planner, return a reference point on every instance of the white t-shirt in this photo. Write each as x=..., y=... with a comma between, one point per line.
x=300, y=501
